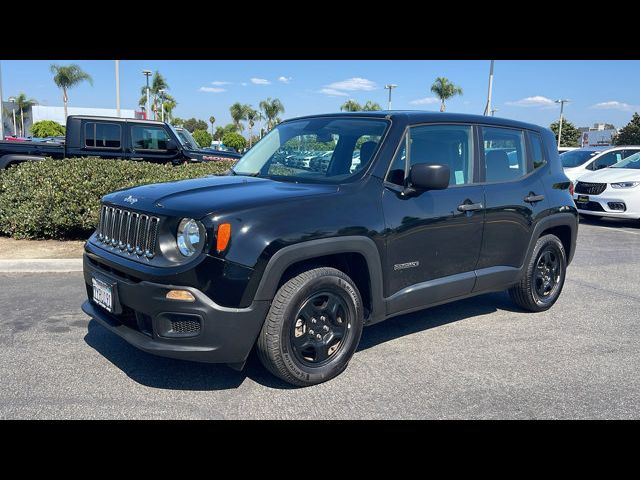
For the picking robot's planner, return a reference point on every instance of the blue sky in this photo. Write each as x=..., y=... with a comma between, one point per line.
x=600, y=91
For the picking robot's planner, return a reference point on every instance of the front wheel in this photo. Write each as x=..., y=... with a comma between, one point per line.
x=544, y=278
x=313, y=327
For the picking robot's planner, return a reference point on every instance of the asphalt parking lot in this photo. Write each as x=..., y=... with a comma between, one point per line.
x=477, y=358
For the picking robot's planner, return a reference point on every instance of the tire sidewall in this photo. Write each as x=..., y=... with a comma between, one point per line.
x=351, y=296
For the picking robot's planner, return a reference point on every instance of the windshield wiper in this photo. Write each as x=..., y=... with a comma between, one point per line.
x=233, y=172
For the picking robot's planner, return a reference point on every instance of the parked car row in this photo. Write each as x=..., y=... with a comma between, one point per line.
x=606, y=180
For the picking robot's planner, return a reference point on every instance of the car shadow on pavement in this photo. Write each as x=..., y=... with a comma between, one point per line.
x=435, y=317
x=167, y=373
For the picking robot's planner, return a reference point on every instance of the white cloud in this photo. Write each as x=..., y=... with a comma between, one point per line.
x=218, y=83
x=333, y=92
x=424, y=101
x=260, y=81
x=613, y=105
x=285, y=79
x=353, y=84
x=212, y=89
x=535, y=101
x=244, y=84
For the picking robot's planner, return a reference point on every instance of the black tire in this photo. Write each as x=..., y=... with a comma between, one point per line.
x=276, y=345
x=530, y=294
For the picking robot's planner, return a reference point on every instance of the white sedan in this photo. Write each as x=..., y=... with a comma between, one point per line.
x=612, y=191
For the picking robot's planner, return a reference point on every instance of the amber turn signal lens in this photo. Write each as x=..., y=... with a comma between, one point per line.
x=224, y=235
x=184, y=295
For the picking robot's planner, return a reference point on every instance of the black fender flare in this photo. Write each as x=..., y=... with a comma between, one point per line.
x=7, y=160
x=564, y=219
x=291, y=254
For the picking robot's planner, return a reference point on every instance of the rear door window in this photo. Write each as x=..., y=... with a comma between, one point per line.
x=504, y=154
x=149, y=138
x=102, y=135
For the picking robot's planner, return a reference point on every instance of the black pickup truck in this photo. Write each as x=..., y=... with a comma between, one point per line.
x=413, y=209
x=123, y=138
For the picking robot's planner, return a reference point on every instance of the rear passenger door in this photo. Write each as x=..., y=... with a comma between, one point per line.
x=512, y=162
x=103, y=139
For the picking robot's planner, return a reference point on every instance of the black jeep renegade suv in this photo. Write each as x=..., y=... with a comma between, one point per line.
x=328, y=224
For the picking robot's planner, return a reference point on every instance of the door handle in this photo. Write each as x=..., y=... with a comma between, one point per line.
x=469, y=207
x=532, y=198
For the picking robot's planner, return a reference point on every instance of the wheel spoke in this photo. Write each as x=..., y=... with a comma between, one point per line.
x=302, y=342
x=322, y=352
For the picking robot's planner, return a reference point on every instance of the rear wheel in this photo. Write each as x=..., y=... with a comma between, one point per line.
x=313, y=327
x=544, y=278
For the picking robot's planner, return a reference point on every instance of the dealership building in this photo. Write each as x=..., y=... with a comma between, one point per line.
x=45, y=112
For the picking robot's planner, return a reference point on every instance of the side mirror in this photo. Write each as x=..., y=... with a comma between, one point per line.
x=172, y=146
x=429, y=176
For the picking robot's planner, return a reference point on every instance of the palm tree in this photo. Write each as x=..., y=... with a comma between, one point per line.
x=444, y=90
x=212, y=120
x=158, y=82
x=271, y=109
x=169, y=105
x=219, y=133
x=251, y=116
x=238, y=113
x=23, y=103
x=351, y=106
x=66, y=77
x=371, y=106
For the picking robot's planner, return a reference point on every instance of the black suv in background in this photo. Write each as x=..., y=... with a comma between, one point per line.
x=412, y=209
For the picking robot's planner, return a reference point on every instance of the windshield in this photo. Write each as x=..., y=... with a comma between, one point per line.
x=185, y=138
x=632, y=161
x=575, y=158
x=323, y=149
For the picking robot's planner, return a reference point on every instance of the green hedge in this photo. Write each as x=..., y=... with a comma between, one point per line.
x=60, y=199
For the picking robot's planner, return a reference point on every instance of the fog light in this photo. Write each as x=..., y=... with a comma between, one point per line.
x=183, y=295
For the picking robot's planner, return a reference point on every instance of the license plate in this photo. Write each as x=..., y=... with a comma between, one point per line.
x=582, y=198
x=102, y=294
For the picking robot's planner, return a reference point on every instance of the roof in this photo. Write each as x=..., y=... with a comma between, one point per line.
x=115, y=119
x=422, y=116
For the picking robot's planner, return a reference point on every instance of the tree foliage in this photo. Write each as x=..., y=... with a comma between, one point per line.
x=194, y=124
x=271, y=108
x=66, y=77
x=630, y=133
x=202, y=137
x=570, y=134
x=371, y=106
x=23, y=104
x=444, y=90
x=157, y=89
x=351, y=106
x=234, y=140
x=47, y=128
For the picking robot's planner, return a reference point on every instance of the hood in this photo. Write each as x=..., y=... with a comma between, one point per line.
x=201, y=196
x=611, y=175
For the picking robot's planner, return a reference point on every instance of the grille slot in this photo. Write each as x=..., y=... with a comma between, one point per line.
x=185, y=327
x=590, y=188
x=128, y=231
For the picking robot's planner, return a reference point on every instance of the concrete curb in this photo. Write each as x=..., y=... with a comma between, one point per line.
x=28, y=265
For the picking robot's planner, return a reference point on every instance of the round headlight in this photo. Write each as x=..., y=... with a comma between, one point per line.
x=188, y=238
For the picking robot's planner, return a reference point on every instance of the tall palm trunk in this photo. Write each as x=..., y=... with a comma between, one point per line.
x=65, y=99
x=442, y=106
x=21, y=123
x=250, y=134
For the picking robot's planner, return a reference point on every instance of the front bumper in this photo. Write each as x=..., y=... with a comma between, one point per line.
x=144, y=317
x=601, y=205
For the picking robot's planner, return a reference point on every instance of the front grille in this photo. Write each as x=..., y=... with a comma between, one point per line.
x=131, y=232
x=590, y=188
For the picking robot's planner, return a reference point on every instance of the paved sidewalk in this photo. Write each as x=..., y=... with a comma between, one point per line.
x=36, y=256
x=38, y=265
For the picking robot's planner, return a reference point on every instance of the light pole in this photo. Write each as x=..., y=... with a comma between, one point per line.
x=389, y=86
x=161, y=92
x=147, y=73
x=117, y=88
x=13, y=107
x=561, y=102
x=487, y=109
